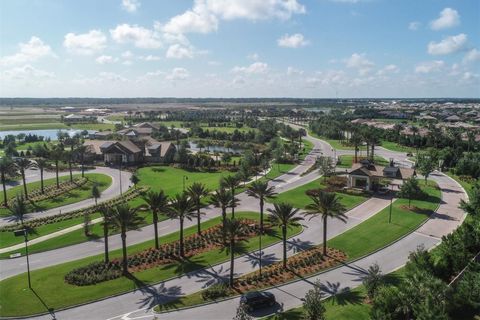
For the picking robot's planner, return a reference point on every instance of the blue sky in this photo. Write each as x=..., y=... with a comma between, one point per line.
x=240, y=48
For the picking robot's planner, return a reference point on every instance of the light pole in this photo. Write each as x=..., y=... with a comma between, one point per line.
x=391, y=203
x=19, y=233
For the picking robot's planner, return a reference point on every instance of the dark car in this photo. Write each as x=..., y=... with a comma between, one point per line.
x=257, y=299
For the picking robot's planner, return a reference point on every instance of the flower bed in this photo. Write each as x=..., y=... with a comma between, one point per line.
x=210, y=239
x=52, y=191
x=33, y=223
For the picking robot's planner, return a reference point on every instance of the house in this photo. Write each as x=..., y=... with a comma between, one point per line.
x=159, y=151
x=366, y=175
x=101, y=135
x=135, y=133
x=125, y=152
x=73, y=118
x=92, y=151
x=150, y=125
x=453, y=118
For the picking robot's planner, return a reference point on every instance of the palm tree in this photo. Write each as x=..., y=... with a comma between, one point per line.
x=157, y=202
x=7, y=168
x=181, y=207
x=68, y=157
x=285, y=216
x=125, y=218
x=196, y=192
x=233, y=230
x=19, y=208
x=327, y=205
x=79, y=152
x=261, y=191
x=22, y=165
x=356, y=140
x=222, y=198
x=106, y=213
x=42, y=164
x=231, y=182
x=56, y=154
x=96, y=193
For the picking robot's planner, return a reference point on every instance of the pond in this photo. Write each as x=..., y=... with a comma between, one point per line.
x=214, y=148
x=47, y=133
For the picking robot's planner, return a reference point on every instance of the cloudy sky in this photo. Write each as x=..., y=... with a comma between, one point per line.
x=240, y=48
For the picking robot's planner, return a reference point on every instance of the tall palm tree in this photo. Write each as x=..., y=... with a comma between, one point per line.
x=79, y=153
x=261, y=191
x=125, y=218
x=231, y=182
x=56, y=154
x=233, y=230
x=157, y=202
x=19, y=208
x=285, y=216
x=181, y=207
x=7, y=168
x=22, y=165
x=106, y=213
x=42, y=164
x=327, y=205
x=96, y=193
x=356, y=140
x=68, y=158
x=222, y=198
x=197, y=191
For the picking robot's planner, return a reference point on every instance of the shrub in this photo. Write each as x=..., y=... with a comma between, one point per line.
x=215, y=291
x=336, y=183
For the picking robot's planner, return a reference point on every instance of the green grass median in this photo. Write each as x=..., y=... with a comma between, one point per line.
x=49, y=283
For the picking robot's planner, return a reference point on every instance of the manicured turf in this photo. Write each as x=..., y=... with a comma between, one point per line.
x=393, y=146
x=299, y=199
x=346, y=161
x=307, y=147
x=75, y=195
x=49, y=283
x=376, y=232
x=336, y=144
x=170, y=179
x=466, y=185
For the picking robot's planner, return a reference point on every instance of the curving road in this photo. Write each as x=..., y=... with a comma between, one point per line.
x=111, y=192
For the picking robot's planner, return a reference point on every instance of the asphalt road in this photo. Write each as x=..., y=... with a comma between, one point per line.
x=137, y=305
x=111, y=192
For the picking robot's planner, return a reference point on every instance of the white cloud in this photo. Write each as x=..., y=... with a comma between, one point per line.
x=105, y=59
x=359, y=62
x=31, y=51
x=86, y=43
x=448, y=18
x=150, y=58
x=127, y=54
x=204, y=16
x=391, y=68
x=448, y=45
x=414, y=25
x=254, y=68
x=292, y=41
x=177, y=51
x=472, y=56
x=26, y=72
x=429, y=66
x=130, y=5
x=139, y=36
x=178, y=74
x=253, y=56
x=291, y=71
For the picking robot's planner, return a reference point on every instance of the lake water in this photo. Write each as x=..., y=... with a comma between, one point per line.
x=215, y=148
x=47, y=133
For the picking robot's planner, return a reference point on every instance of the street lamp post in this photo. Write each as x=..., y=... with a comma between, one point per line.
x=19, y=233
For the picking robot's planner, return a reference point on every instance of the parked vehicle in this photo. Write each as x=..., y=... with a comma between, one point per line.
x=257, y=299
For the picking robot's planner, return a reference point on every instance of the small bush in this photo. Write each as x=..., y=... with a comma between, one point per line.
x=215, y=291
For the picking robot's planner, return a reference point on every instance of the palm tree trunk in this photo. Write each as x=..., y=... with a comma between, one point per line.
x=199, y=230
x=70, y=169
x=82, y=161
x=56, y=173
x=233, y=204
x=5, y=203
x=124, y=250
x=260, y=238
x=284, y=237
x=41, y=180
x=24, y=184
x=232, y=259
x=325, y=235
x=181, y=238
x=105, y=240
x=155, y=228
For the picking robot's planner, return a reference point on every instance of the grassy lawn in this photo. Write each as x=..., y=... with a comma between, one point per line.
x=307, y=147
x=299, y=199
x=49, y=283
x=370, y=235
x=346, y=161
x=75, y=195
x=169, y=179
x=376, y=232
x=393, y=146
x=466, y=185
x=336, y=144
